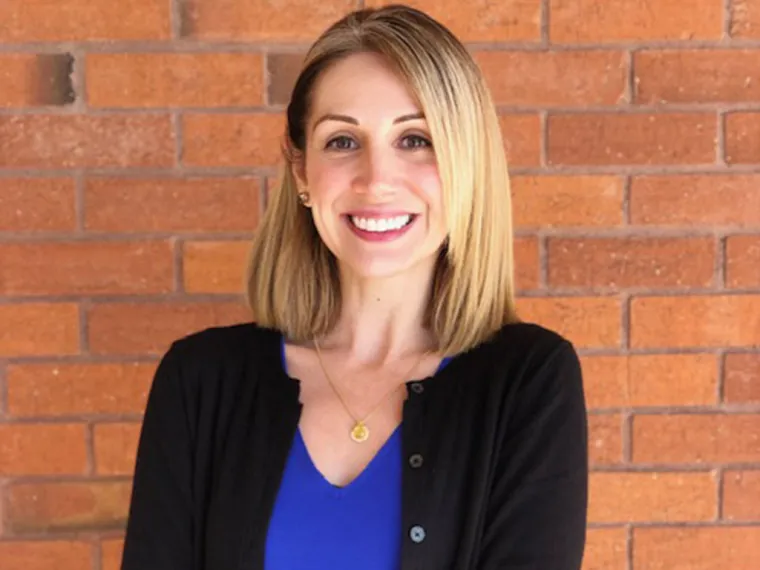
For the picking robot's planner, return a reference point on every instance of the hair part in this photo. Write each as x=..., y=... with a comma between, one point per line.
x=292, y=277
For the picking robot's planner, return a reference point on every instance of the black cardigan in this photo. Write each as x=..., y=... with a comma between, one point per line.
x=502, y=431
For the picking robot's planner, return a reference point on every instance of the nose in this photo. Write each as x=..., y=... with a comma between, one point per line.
x=377, y=172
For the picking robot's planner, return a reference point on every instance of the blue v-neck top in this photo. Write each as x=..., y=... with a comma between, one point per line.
x=316, y=525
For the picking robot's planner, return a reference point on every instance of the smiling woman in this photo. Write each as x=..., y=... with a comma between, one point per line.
x=390, y=114
x=387, y=410
x=371, y=175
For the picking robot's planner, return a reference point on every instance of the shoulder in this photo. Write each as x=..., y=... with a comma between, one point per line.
x=520, y=360
x=220, y=358
x=528, y=343
x=532, y=364
x=210, y=370
x=224, y=343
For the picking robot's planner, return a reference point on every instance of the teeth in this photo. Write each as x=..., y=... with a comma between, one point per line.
x=380, y=224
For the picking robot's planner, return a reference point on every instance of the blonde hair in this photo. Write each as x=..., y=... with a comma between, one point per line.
x=292, y=278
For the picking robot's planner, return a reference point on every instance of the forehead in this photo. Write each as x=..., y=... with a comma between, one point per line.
x=362, y=81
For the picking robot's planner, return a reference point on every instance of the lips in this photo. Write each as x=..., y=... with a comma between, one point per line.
x=380, y=225
x=380, y=228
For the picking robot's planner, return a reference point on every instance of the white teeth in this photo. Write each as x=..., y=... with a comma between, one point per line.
x=380, y=224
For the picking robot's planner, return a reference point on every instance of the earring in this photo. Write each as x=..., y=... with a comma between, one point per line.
x=303, y=197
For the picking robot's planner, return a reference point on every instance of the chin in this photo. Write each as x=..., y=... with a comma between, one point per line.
x=379, y=268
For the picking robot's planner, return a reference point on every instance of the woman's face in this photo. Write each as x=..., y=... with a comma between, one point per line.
x=370, y=171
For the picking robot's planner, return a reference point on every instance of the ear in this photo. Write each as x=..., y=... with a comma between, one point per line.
x=298, y=169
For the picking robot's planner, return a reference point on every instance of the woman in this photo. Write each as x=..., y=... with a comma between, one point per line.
x=387, y=410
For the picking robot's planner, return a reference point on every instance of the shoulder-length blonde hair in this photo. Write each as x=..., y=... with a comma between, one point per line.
x=292, y=277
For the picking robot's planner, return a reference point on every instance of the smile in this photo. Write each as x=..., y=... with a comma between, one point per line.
x=384, y=229
x=380, y=225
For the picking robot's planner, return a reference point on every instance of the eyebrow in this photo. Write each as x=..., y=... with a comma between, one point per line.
x=353, y=121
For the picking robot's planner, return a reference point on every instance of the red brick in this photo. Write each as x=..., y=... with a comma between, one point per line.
x=79, y=141
x=86, y=268
x=45, y=555
x=111, y=554
x=567, y=201
x=743, y=261
x=704, y=321
x=697, y=76
x=70, y=506
x=29, y=79
x=527, y=263
x=172, y=204
x=78, y=388
x=745, y=19
x=631, y=139
x=232, y=140
x=540, y=78
x=578, y=21
x=116, y=448
x=282, y=72
x=84, y=20
x=522, y=139
x=215, y=267
x=695, y=439
x=743, y=138
x=635, y=262
x=606, y=381
x=605, y=549
x=482, y=20
x=686, y=200
x=22, y=335
x=672, y=380
x=150, y=327
x=586, y=321
x=174, y=79
x=741, y=495
x=650, y=380
x=261, y=20
x=697, y=548
x=46, y=449
x=37, y=204
x=742, y=378
x=605, y=439
x=652, y=497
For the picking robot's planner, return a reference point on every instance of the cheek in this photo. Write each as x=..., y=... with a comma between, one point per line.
x=429, y=182
x=325, y=177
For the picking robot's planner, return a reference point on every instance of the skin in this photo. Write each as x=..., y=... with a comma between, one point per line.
x=368, y=149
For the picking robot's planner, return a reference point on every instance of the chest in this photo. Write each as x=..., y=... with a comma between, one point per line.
x=326, y=429
x=330, y=414
x=445, y=460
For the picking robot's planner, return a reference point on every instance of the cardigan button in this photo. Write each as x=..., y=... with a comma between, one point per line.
x=415, y=460
x=418, y=388
x=417, y=534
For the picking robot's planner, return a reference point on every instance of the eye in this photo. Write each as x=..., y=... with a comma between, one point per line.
x=415, y=142
x=341, y=142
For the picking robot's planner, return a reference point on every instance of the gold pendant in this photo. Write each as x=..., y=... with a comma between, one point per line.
x=360, y=433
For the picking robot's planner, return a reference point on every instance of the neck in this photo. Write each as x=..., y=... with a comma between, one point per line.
x=383, y=319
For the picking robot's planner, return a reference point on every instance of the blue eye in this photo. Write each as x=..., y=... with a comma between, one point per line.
x=341, y=142
x=415, y=142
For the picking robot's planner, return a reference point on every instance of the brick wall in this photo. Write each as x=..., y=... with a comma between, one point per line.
x=137, y=140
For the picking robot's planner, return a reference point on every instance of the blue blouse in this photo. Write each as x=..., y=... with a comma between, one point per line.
x=316, y=525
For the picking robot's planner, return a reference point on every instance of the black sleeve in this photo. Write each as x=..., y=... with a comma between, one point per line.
x=160, y=525
x=537, y=510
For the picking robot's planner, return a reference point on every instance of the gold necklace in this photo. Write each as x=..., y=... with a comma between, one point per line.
x=360, y=432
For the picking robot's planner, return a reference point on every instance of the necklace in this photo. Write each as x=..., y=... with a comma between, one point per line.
x=360, y=432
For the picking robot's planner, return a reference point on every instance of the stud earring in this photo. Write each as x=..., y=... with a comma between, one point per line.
x=303, y=197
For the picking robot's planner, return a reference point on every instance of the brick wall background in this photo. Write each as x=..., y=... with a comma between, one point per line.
x=137, y=141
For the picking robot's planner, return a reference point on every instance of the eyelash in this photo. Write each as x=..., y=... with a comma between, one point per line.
x=426, y=142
